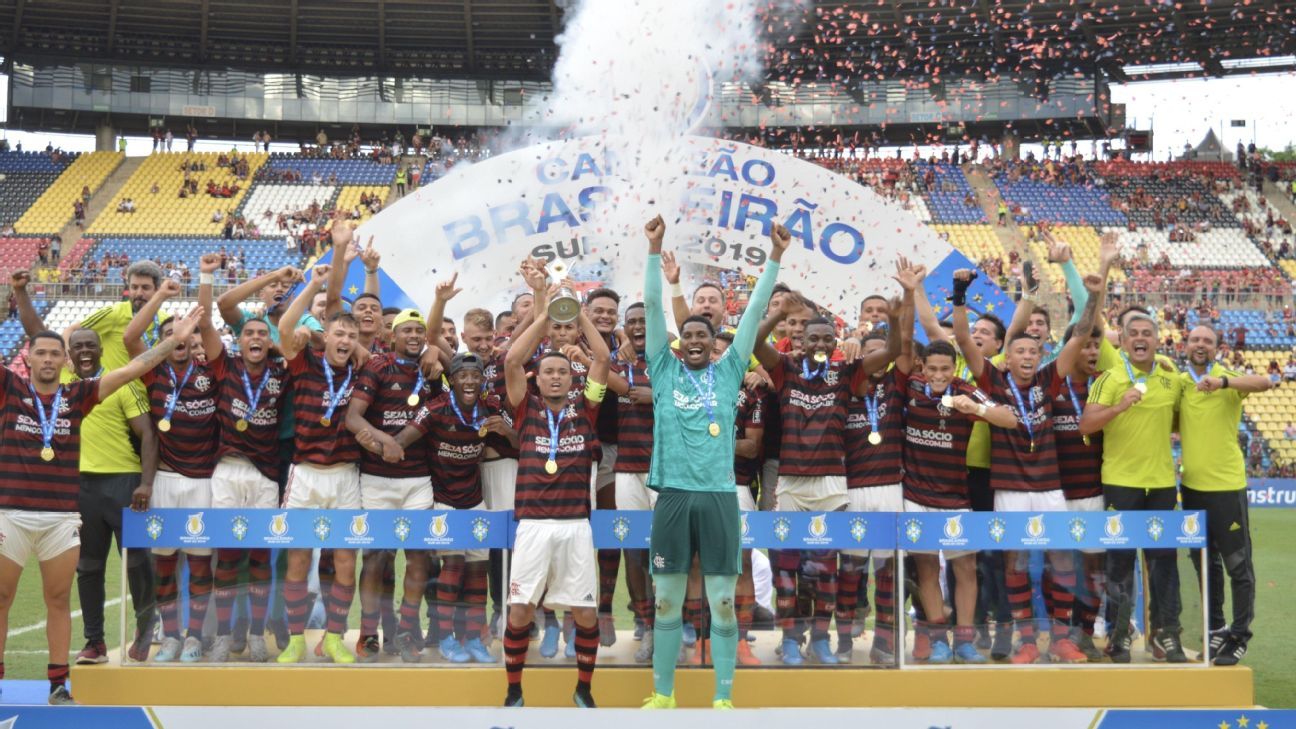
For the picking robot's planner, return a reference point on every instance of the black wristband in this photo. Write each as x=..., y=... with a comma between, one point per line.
x=1224, y=379
x=959, y=297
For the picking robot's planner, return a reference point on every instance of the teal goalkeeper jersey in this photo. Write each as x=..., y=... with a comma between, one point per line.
x=685, y=454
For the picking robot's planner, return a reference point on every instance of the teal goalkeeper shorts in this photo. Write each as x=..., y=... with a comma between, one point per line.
x=705, y=523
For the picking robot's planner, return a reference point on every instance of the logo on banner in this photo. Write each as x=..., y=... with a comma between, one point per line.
x=439, y=528
x=279, y=525
x=858, y=529
x=322, y=528
x=1035, y=530
x=746, y=528
x=998, y=529
x=1191, y=526
x=819, y=526
x=194, y=525
x=1114, y=530
x=954, y=527
x=1077, y=529
x=153, y=527
x=480, y=529
x=913, y=530
x=239, y=527
x=402, y=528
x=1155, y=528
x=360, y=525
x=782, y=528
x=621, y=528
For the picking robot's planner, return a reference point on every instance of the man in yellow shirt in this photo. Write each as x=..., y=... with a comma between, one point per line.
x=1134, y=405
x=1214, y=481
x=142, y=280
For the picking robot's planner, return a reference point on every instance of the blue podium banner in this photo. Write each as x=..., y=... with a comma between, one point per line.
x=762, y=530
x=315, y=528
x=1052, y=530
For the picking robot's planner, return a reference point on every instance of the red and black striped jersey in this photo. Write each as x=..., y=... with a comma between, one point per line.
x=259, y=443
x=749, y=413
x=634, y=422
x=454, y=448
x=385, y=385
x=935, y=447
x=187, y=447
x=566, y=493
x=1079, y=463
x=1024, y=458
x=31, y=483
x=315, y=442
x=868, y=464
x=493, y=383
x=813, y=410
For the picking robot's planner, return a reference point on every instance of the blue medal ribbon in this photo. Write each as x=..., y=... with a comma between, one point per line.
x=815, y=374
x=1129, y=371
x=332, y=396
x=871, y=404
x=706, y=395
x=47, y=420
x=475, y=424
x=1195, y=377
x=174, y=397
x=253, y=397
x=1075, y=401
x=151, y=334
x=555, y=425
x=1021, y=408
x=418, y=384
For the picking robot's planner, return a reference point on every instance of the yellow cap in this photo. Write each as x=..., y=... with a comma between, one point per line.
x=408, y=315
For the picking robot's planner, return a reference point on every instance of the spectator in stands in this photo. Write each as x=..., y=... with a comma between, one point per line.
x=1239, y=333
x=191, y=136
x=1289, y=371
x=169, y=137
x=401, y=175
x=1289, y=432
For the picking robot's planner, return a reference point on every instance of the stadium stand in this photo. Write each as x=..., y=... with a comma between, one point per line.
x=16, y=254
x=978, y=242
x=53, y=210
x=349, y=198
x=285, y=198
x=166, y=213
x=335, y=171
x=257, y=254
x=1033, y=201
x=1219, y=248
x=946, y=192
x=24, y=177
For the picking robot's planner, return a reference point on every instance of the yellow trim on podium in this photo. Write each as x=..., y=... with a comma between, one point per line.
x=398, y=685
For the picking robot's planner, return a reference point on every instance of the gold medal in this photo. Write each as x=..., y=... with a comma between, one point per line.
x=482, y=433
x=875, y=438
x=714, y=430
x=1141, y=387
x=551, y=467
x=412, y=400
x=241, y=425
x=820, y=357
x=164, y=425
x=47, y=454
x=947, y=401
x=326, y=421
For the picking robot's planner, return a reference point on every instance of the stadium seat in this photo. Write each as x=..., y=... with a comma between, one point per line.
x=164, y=213
x=53, y=209
x=342, y=171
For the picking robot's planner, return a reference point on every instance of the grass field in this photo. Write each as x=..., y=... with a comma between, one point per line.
x=1270, y=656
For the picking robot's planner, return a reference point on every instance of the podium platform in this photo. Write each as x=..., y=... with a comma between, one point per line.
x=618, y=682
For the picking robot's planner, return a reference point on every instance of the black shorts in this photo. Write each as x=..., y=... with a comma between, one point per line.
x=705, y=523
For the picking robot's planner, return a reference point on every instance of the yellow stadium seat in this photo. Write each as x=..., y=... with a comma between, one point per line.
x=165, y=212
x=349, y=197
x=53, y=209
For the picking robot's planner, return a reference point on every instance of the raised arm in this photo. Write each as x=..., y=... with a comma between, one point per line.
x=342, y=233
x=31, y=321
x=1095, y=285
x=515, y=379
x=679, y=306
x=962, y=332
x=211, y=340
x=133, y=335
x=602, y=356
x=655, y=336
x=115, y=379
x=371, y=258
x=290, y=345
x=745, y=337
x=1021, y=316
x=445, y=291
x=765, y=353
x=228, y=303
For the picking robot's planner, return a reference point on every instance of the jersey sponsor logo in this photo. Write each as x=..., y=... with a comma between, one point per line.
x=811, y=401
x=929, y=438
x=1065, y=423
x=153, y=527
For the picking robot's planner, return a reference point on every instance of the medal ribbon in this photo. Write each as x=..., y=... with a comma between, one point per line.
x=47, y=420
x=1021, y=407
x=418, y=384
x=1129, y=370
x=254, y=398
x=555, y=424
x=332, y=396
x=707, y=394
x=174, y=397
x=475, y=424
x=870, y=402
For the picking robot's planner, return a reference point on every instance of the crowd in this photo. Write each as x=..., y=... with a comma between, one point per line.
x=524, y=412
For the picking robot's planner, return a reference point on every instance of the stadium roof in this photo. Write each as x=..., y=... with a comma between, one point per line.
x=810, y=40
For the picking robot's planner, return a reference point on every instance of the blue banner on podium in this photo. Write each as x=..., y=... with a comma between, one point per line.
x=1052, y=530
x=811, y=530
x=315, y=528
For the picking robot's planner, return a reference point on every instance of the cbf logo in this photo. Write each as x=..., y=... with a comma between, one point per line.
x=621, y=528
x=279, y=525
x=913, y=530
x=1155, y=528
x=998, y=529
x=819, y=526
x=1191, y=526
x=1035, y=526
x=153, y=527
x=239, y=527
x=1113, y=526
x=954, y=527
x=322, y=528
x=360, y=525
x=858, y=529
x=194, y=525
x=1076, y=528
x=402, y=528
x=439, y=528
x=782, y=528
x=480, y=529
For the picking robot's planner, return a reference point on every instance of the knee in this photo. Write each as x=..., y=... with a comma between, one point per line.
x=722, y=610
x=299, y=561
x=520, y=616
x=344, y=561
x=58, y=597
x=90, y=566
x=163, y=552
x=584, y=616
x=666, y=606
x=1238, y=566
x=138, y=560
x=7, y=595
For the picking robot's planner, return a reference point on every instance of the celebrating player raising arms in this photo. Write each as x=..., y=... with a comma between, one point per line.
x=694, y=401
x=553, y=554
x=38, y=496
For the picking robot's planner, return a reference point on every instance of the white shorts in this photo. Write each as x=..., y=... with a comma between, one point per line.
x=557, y=556
x=323, y=487
x=888, y=498
x=606, y=475
x=949, y=554
x=1030, y=500
x=1093, y=503
x=47, y=534
x=175, y=491
x=381, y=492
x=237, y=484
x=499, y=483
x=633, y=494
x=469, y=555
x=810, y=493
x=746, y=502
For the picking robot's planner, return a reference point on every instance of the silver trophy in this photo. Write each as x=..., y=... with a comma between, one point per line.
x=565, y=306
